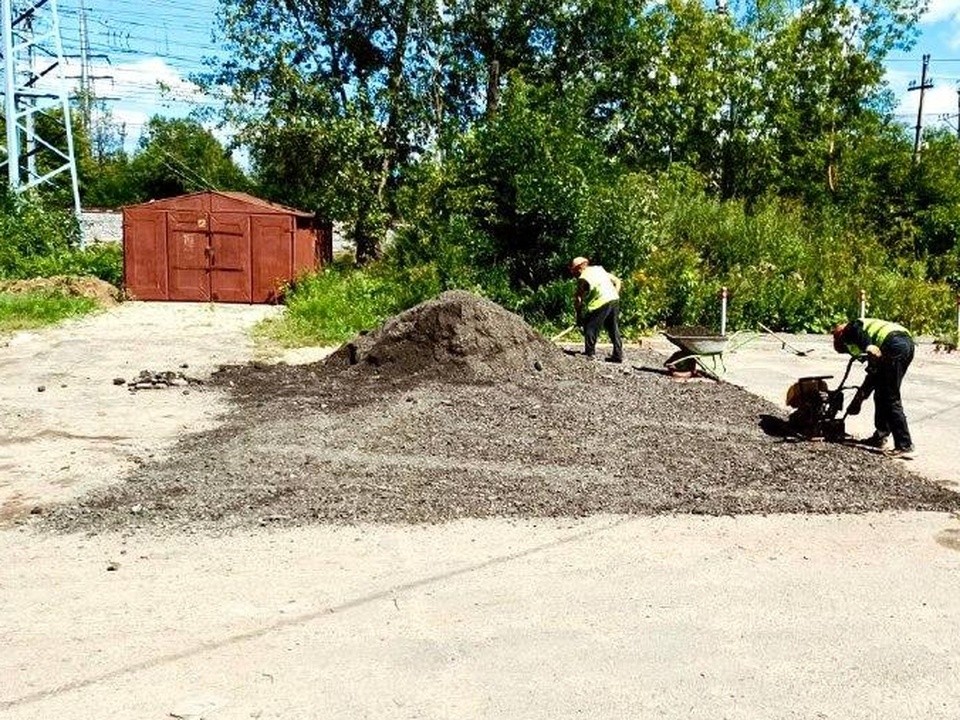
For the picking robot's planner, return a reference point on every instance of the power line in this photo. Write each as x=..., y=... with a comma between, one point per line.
x=915, y=59
x=184, y=169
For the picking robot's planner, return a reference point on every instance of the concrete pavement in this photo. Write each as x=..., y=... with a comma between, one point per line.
x=843, y=617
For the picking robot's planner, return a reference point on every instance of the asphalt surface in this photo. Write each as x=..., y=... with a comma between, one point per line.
x=609, y=617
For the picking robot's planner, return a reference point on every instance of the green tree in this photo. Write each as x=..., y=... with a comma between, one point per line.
x=332, y=167
x=817, y=72
x=103, y=165
x=178, y=156
x=934, y=198
x=519, y=196
x=351, y=76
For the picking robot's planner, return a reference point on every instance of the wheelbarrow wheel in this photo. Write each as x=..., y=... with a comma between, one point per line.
x=685, y=365
x=681, y=363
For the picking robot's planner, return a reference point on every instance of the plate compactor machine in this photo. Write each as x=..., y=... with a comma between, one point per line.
x=818, y=411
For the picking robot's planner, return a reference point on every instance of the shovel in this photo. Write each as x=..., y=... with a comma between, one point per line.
x=563, y=333
x=786, y=345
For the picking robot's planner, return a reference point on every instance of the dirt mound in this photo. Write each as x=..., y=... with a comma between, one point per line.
x=77, y=286
x=455, y=336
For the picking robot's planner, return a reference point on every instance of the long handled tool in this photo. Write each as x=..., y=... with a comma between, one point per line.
x=786, y=345
x=563, y=333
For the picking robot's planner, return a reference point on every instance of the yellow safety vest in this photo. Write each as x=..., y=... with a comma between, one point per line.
x=601, y=290
x=877, y=331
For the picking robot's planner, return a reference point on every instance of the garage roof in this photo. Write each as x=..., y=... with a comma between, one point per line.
x=264, y=206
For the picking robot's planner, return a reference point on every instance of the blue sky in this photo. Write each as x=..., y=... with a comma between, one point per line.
x=135, y=44
x=940, y=38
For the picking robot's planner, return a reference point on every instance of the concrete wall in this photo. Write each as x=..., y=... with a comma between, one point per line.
x=102, y=226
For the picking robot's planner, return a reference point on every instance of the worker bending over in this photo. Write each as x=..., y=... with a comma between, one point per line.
x=597, y=304
x=889, y=348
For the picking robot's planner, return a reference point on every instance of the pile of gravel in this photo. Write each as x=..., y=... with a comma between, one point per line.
x=457, y=336
x=456, y=408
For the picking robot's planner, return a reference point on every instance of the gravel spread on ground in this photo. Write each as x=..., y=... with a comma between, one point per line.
x=457, y=408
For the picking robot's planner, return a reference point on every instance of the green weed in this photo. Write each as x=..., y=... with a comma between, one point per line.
x=335, y=304
x=22, y=311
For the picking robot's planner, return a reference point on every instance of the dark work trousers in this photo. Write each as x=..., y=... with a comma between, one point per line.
x=607, y=317
x=896, y=356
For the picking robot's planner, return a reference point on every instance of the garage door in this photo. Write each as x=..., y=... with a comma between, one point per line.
x=209, y=256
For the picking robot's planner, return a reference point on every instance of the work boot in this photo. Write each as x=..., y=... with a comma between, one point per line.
x=881, y=442
x=613, y=359
x=904, y=453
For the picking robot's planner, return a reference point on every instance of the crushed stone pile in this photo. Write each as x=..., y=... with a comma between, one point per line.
x=456, y=336
x=154, y=380
x=456, y=408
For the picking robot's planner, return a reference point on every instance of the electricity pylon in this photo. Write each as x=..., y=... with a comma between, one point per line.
x=34, y=85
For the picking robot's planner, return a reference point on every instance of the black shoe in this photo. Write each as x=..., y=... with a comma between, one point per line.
x=613, y=359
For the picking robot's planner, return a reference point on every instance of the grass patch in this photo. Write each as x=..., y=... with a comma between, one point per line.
x=22, y=311
x=335, y=304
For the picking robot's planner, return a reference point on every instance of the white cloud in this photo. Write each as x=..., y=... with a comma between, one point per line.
x=150, y=82
x=134, y=91
x=145, y=83
x=940, y=10
x=938, y=100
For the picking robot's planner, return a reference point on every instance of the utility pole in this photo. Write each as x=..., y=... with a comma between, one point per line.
x=34, y=36
x=958, y=113
x=924, y=85
x=87, y=98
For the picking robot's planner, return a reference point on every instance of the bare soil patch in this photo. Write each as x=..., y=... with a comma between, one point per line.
x=457, y=408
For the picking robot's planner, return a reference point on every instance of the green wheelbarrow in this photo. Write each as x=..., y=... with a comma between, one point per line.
x=699, y=353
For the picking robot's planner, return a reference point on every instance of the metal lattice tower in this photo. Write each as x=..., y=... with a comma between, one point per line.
x=34, y=85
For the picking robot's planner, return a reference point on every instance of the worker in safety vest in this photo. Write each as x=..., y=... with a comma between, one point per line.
x=597, y=304
x=889, y=348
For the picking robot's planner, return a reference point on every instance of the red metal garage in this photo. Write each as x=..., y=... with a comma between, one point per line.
x=218, y=246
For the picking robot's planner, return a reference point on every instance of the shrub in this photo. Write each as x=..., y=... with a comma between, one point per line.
x=41, y=242
x=341, y=300
x=33, y=235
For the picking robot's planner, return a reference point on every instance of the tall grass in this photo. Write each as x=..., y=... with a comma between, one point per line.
x=784, y=266
x=335, y=304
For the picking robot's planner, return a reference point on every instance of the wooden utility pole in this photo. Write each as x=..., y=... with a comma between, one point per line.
x=924, y=85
